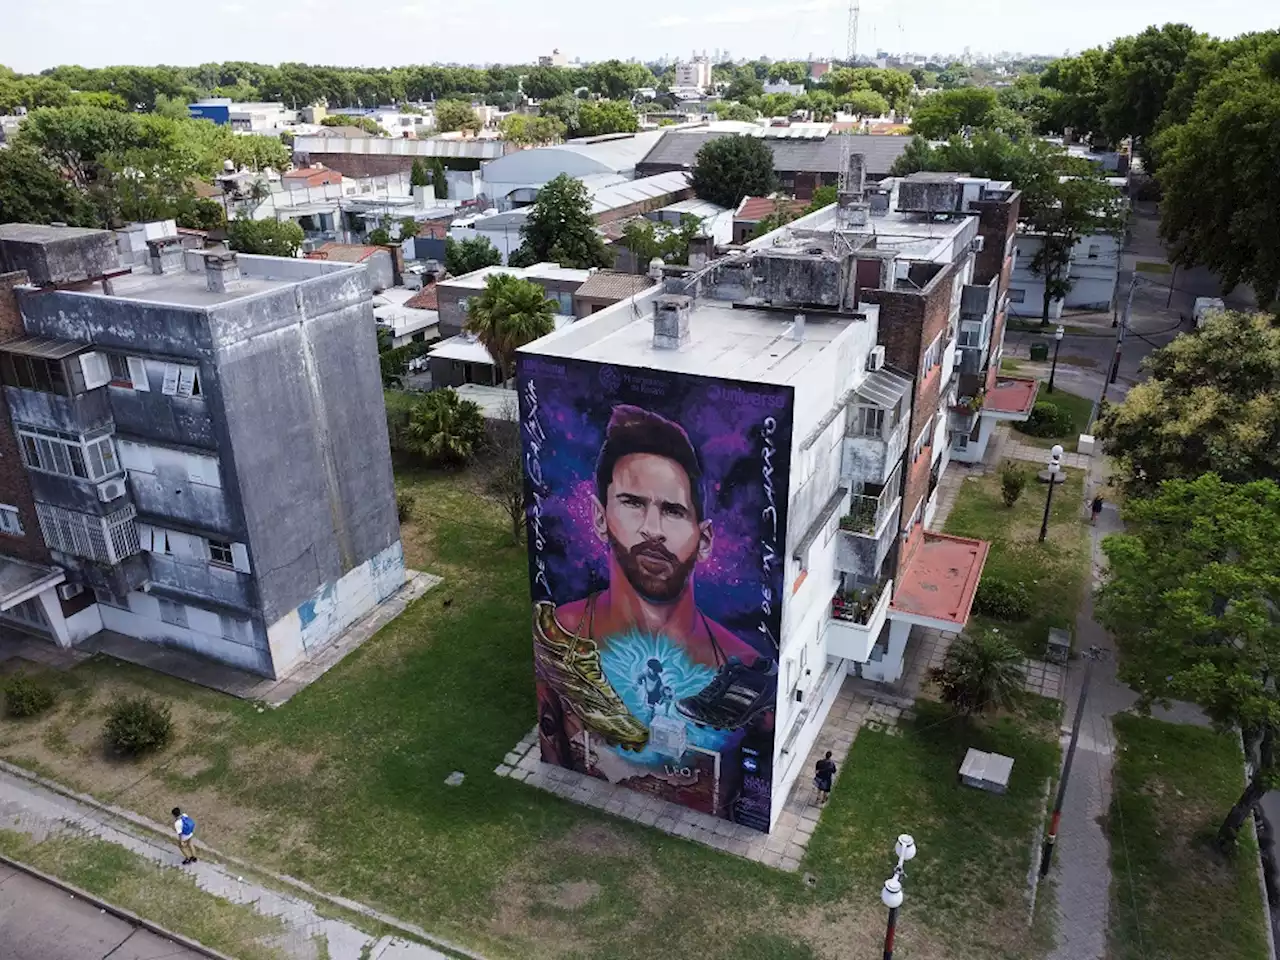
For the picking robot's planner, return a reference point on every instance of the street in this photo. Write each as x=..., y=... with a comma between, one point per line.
x=42, y=922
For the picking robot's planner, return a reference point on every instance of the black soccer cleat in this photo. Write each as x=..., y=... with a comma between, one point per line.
x=735, y=697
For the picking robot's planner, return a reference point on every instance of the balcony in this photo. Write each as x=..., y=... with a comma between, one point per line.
x=962, y=416
x=871, y=458
x=867, y=531
x=876, y=431
x=856, y=621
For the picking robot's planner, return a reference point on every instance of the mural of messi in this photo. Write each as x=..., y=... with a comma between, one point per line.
x=656, y=583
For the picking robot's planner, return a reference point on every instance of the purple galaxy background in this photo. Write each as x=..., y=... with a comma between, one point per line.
x=574, y=407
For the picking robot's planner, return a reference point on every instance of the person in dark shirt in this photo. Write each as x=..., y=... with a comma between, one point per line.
x=822, y=775
x=1095, y=508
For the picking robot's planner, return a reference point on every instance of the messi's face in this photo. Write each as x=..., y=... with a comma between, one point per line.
x=650, y=523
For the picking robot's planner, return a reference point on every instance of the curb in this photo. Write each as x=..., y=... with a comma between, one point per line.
x=401, y=926
x=126, y=915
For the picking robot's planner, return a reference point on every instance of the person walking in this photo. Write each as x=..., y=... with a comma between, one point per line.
x=185, y=828
x=1095, y=508
x=822, y=775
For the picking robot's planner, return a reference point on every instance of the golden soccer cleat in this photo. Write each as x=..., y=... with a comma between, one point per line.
x=570, y=664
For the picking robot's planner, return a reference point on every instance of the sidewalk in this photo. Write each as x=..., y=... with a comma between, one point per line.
x=39, y=813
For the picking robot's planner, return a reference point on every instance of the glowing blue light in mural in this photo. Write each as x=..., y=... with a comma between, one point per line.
x=629, y=660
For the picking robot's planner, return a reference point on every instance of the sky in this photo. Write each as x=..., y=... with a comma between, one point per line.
x=42, y=33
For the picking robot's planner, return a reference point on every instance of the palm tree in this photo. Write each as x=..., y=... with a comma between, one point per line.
x=981, y=670
x=445, y=429
x=508, y=314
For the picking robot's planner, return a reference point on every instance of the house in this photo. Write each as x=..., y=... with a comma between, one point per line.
x=380, y=261
x=604, y=288
x=242, y=117
x=1093, y=270
x=826, y=351
x=201, y=457
x=695, y=73
x=411, y=316
x=753, y=211
x=366, y=156
x=802, y=164
x=316, y=175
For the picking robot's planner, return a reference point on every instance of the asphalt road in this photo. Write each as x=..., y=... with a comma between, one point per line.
x=42, y=922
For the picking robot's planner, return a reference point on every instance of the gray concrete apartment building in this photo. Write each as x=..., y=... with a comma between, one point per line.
x=205, y=443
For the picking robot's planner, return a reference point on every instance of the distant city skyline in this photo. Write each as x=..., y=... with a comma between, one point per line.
x=147, y=32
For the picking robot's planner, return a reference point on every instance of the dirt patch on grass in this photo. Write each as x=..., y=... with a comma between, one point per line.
x=597, y=839
x=574, y=895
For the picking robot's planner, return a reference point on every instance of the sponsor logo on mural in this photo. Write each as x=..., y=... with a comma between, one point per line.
x=656, y=521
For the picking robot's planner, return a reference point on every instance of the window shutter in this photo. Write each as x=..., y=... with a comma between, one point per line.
x=170, y=385
x=134, y=456
x=145, y=532
x=138, y=374
x=95, y=369
x=240, y=557
x=186, y=381
x=202, y=547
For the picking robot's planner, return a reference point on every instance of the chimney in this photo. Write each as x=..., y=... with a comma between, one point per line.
x=701, y=251
x=221, y=271
x=165, y=255
x=671, y=321
x=797, y=328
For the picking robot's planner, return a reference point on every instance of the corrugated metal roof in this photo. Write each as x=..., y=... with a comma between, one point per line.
x=611, y=285
x=696, y=207
x=680, y=148
x=884, y=388
x=621, y=154
x=45, y=347
x=637, y=191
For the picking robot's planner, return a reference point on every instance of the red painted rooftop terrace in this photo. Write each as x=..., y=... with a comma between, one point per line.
x=937, y=584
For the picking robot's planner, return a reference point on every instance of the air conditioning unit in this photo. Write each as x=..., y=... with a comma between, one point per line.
x=109, y=490
x=977, y=244
x=875, y=359
x=67, y=591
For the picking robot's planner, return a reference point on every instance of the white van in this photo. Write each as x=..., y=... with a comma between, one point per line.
x=1205, y=306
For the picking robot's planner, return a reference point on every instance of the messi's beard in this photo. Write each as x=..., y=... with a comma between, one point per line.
x=662, y=577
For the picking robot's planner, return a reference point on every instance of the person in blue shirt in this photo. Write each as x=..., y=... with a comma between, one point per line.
x=185, y=828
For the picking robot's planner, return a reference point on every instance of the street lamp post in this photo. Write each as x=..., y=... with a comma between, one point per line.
x=1055, y=461
x=1057, y=345
x=891, y=893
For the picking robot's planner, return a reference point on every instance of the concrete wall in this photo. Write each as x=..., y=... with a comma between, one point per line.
x=201, y=635
x=302, y=395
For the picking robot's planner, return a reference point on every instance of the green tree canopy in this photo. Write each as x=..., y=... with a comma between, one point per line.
x=729, y=110
x=729, y=168
x=506, y=315
x=269, y=238
x=32, y=191
x=948, y=112
x=560, y=228
x=597, y=117
x=1211, y=403
x=1143, y=70
x=465, y=256
x=868, y=103
x=444, y=429
x=543, y=83
x=1193, y=598
x=529, y=131
x=456, y=115
x=563, y=108
x=367, y=124
x=616, y=80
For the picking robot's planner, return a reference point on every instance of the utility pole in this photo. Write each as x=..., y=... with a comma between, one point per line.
x=1046, y=856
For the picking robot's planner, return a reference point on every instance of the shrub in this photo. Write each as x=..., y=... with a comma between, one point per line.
x=404, y=506
x=1047, y=420
x=980, y=671
x=138, y=725
x=1002, y=599
x=1013, y=479
x=25, y=697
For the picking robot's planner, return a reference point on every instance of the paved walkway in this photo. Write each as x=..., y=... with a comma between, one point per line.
x=308, y=935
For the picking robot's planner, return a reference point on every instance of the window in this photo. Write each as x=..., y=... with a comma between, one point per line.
x=870, y=422
x=33, y=373
x=232, y=629
x=128, y=372
x=932, y=355
x=922, y=441
x=106, y=539
x=67, y=454
x=960, y=441
x=10, y=522
x=180, y=380
x=970, y=334
x=174, y=614
x=220, y=553
x=1016, y=295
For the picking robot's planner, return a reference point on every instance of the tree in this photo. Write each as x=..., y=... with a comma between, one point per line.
x=379, y=237
x=647, y=240
x=1193, y=598
x=948, y=112
x=728, y=110
x=526, y=131
x=1211, y=402
x=32, y=191
x=506, y=315
x=560, y=227
x=729, y=168
x=1081, y=83
x=598, y=117
x=439, y=179
x=444, y=429
x=867, y=103
x=981, y=670
x=822, y=197
x=1217, y=170
x=543, y=83
x=1143, y=70
x=269, y=238
x=367, y=124
x=743, y=88
x=564, y=108
x=200, y=213
x=617, y=80
x=1013, y=480
x=409, y=227
x=175, y=108
x=504, y=469
x=466, y=256
x=456, y=115
x=419, y=173
x=821, y=104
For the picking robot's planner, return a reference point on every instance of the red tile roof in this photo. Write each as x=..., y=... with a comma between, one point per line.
x=428, y=298
x=755, y=209
x=344, y=252
x=938, y=582
x=1014, y=396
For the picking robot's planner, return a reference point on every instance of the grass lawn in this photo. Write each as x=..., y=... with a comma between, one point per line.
x=164, y=896
x=344, y=788
x=1151, y=266
x=1173, y=895
x=1079, y=408
x=1056, y=572
x=1010, y=366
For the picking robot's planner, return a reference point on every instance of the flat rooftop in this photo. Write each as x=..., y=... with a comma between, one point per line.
x=740, y=343
x=188, y=287
x=936, y=586
x=539, y=271
x=913, y=236
x=1011, y=398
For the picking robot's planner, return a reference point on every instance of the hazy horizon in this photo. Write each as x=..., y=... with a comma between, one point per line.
x=93, y=33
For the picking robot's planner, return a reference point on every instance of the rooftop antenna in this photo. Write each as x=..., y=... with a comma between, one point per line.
x=846, y=144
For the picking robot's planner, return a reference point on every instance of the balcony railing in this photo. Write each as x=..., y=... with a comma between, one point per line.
x=868, y=511
x=857, y=606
